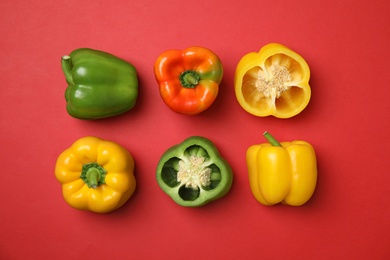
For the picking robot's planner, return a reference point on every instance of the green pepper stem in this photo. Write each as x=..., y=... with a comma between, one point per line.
x=271, y=139
x=189, y=79
x=93, y=175
x=66, y=68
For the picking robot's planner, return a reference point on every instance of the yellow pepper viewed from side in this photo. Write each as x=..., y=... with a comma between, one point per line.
x=96, y=175
x=273, y=81
x=283, y=172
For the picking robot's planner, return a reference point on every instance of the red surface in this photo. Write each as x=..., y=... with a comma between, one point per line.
x=346, y=44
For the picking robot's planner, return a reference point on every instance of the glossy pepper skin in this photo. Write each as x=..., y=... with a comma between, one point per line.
x=100, y=85
x=283, y=172
x=96, y=175
x=188, y=79
x=193, y=173
x=273, y=82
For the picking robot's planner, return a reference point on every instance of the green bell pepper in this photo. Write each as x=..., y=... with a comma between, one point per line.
x=193, y=173
x=99, y=84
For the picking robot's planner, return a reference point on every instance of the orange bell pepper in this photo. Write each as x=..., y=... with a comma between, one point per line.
x=188, y=79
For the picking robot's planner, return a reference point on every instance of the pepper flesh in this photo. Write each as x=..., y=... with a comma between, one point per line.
x=282, y=174
x=99, y=84
x=188, y=79
x=193, y=173
x=96, y=175
x=274, y=81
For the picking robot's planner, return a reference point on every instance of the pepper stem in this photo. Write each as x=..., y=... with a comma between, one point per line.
x=93, y=175
x=271, y=139
x=189, y=79
x=66, y=69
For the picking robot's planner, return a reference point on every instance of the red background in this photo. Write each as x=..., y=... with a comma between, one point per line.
x=346, y=44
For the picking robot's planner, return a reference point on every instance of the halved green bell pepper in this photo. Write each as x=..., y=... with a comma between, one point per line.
x=99, y=84
x=193, y=173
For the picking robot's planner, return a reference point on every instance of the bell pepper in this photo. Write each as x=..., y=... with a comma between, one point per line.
x=99, y=84
x=283, y=172
x=188, y=79
x=96, y=175
x=274, y=81
x=193, y=173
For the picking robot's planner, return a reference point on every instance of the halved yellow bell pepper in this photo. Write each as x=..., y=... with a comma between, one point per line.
x=283, y=172
x=96, y=175
x=274, y=81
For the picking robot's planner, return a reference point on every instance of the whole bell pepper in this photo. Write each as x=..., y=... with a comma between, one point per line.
x=274, y=81
x=188, y=79
x=283, y=172
x=96, y=175
x=193, y=173
x=99, y=84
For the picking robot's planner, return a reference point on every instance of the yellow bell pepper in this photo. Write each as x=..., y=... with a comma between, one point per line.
x=283, y=172
x=96, y=175
x=273, y=81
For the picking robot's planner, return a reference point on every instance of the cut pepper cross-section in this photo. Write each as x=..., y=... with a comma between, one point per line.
x=193, y=173
x=274, y=81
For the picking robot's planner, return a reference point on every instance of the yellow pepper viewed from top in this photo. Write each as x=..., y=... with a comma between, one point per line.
x=283, y=172
x=96, y=175
x=273, y=81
